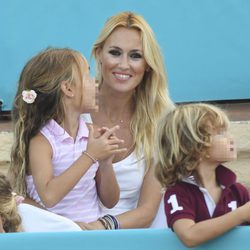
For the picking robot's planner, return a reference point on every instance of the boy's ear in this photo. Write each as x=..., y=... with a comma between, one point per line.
x=67, y=89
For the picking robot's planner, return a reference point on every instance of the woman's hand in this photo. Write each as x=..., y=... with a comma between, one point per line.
x=95, y=225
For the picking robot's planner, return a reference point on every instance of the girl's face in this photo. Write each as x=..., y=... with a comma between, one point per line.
x=85, y=89
x=122, y=60
x=223, y=148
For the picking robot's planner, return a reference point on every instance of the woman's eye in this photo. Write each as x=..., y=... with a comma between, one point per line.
x=115, y=52
x=136, y=55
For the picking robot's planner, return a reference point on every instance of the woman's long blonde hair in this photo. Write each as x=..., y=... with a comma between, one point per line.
x=183, y=138
x=8, y=207
x=151, y=95
x=43, y=73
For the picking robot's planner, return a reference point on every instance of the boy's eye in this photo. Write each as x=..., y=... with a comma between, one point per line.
x=135, y=55
x=115, y=52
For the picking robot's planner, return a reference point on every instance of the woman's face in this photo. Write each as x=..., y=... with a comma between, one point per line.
x=122, y=60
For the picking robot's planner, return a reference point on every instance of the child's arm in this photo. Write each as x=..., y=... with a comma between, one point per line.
x=193, y=234
x=106, y=183
x=52, y=189
x=107, y=187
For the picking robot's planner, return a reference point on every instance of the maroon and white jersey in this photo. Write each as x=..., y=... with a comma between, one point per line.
x=187, y=200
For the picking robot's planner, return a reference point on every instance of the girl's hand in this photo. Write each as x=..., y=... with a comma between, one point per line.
x=109, y=160
x=106, y=145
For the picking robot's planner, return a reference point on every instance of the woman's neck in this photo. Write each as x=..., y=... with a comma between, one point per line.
x=116, y=106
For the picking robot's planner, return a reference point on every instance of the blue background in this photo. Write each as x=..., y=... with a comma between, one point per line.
x=206, y=43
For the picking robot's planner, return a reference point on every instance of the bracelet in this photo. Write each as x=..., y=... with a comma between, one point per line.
x=104, y=223
x=91, y=157
x=109, y=222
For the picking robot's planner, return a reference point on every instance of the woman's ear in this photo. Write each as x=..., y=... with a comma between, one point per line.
x=99, y=55
x=67, y=89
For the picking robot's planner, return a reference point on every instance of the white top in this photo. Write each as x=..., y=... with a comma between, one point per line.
x=35, y=219
x=130, y=174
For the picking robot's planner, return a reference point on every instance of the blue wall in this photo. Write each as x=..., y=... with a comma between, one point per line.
x=126, y=239
x=206, y=43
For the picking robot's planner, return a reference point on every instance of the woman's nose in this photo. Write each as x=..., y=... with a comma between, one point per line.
x=124, y=62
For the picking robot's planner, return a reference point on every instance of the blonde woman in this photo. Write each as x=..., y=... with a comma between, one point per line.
x=133, y=93
x=203, y=199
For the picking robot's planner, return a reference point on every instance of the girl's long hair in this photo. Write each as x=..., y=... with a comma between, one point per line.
x=43, y=73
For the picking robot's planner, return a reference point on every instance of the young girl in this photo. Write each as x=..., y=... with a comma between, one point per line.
x=54, y=156
x=202, y=199
x=10, y=221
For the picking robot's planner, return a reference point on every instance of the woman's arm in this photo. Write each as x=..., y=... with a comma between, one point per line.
x=193, y=234
x=148, y=204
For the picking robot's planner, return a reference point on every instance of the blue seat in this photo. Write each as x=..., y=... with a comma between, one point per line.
x=131, y=239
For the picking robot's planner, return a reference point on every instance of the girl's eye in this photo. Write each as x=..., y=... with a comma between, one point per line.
x=115, y=52
x=135, y=55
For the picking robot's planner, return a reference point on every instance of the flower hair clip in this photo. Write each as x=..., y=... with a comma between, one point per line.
x=29, y=96
x=18, y=198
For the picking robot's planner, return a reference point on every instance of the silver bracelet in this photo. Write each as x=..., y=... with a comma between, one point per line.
x=91, y=157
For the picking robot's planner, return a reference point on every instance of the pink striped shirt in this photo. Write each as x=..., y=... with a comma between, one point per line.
x=81, y=203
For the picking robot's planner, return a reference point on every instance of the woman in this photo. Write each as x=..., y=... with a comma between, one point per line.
x=133, y=95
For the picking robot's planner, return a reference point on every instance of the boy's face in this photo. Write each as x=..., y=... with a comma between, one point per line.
x=223, y=147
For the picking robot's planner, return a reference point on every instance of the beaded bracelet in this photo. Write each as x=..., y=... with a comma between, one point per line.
x=91, y=157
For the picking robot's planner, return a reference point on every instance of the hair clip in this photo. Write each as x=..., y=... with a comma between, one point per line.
x=18, y=198
x=29, y=96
